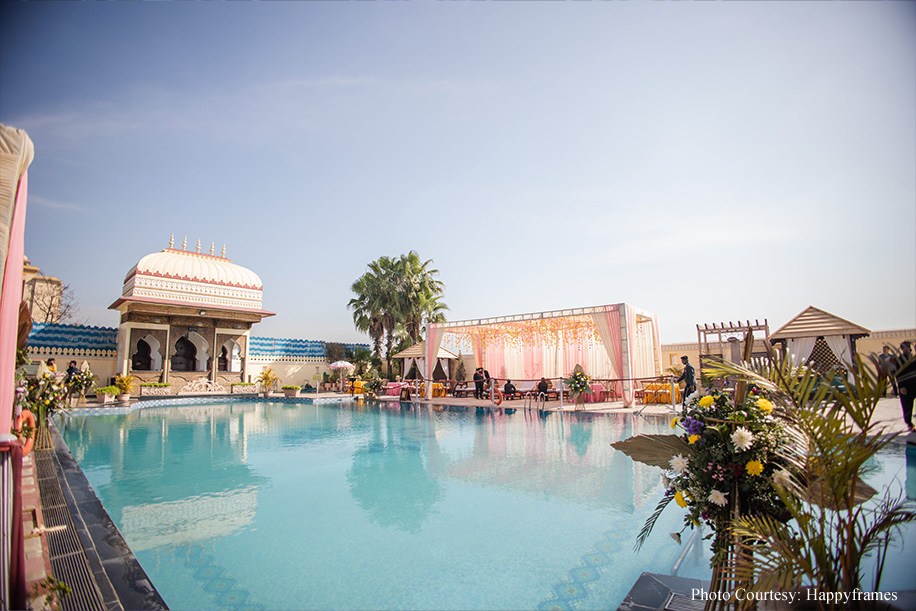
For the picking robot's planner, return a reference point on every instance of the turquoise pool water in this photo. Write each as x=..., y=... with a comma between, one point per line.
x=269, y=505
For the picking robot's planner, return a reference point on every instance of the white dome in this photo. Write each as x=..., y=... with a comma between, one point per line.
x=193, y=278
x=196, y=267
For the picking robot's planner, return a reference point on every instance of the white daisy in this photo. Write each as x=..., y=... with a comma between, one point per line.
x=718, y=498
x=678, y=464
x=743, y=439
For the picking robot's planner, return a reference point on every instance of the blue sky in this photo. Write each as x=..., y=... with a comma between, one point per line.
x=703, y=161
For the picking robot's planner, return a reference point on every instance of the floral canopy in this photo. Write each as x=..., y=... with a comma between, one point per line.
x=617, y=341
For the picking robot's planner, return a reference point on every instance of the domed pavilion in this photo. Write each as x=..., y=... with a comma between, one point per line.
x=187, y=315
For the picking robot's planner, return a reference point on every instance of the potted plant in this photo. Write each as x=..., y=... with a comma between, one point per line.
x=106, y=394
x=291, y=391
x=267, y=379
x=372, y=387
x=126, y=385
x=78, y=384
x=42, y=396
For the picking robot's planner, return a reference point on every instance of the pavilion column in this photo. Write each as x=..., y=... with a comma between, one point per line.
x=167, y=357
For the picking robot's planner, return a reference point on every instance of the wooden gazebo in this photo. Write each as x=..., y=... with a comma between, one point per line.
x=818, y=338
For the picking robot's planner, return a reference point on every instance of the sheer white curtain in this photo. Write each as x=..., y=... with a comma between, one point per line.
x=799, y=349
x=408, y=362
x=840, y=346
x=434, y=335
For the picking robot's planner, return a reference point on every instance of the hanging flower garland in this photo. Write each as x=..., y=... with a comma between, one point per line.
x=541, y=331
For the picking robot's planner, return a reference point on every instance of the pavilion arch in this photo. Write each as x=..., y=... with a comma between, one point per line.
x=230, y=357
x=203, y=349
x=191, y=346
x=148, y=356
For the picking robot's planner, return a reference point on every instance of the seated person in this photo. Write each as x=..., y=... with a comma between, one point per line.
x=543, y=387
x=509, y=389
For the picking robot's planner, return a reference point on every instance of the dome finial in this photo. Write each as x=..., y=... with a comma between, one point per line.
x=198, y=244
x=211, y=248
x=184, y=245
x=224, y=251
x=172, y=241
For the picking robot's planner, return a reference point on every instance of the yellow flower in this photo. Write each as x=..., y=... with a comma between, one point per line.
x=674, y=421
x=693, y=439
x=765, y=406
x=707, y=401
x=680, y=499
x=754, y=467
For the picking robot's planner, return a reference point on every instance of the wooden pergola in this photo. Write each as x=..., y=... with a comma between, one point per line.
x=730, y=339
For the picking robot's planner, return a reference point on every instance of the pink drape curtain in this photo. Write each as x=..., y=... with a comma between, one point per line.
x=608, y=324
x=10, y=298
x=494, y=360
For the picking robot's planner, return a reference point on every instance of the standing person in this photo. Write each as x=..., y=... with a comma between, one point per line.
x=689, y=378
x=488, y=386
x=51, y=366
x=478, y=383
x=906, y=383
x=887, y=367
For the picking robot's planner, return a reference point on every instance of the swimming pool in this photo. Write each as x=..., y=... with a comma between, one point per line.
x=277, y=505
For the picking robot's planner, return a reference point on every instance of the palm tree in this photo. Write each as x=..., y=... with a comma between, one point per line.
x=362, y=359
x=419, y=294
x=375, y=307
x=394, y=295
x=366, y=310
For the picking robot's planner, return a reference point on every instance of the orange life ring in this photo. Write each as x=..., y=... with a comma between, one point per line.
x=29, y=441
x=498, y=399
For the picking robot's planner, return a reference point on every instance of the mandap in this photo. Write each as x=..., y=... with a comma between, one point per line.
x=611, y=342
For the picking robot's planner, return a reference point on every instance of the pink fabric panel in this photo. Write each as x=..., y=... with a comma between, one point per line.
x=613, y=319
x=10, y=298
x=532, y=359
x=495, y=360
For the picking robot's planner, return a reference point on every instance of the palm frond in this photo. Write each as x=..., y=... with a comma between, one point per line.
x=650, y=522
x=654, y=450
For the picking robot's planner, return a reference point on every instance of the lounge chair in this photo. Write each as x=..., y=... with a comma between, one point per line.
x=559, y=388
x=462, y=388
x=525, y=387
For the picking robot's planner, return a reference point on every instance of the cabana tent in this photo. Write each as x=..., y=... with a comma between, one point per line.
x=417, y=353
x=616, y=341
x=817, y=335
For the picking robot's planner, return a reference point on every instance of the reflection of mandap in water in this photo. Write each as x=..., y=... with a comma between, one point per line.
x=193, y=519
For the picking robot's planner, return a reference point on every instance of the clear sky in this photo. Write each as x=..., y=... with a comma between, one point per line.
x=704, y=161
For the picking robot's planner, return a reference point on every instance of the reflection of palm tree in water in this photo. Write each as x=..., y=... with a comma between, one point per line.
x=388, y=477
